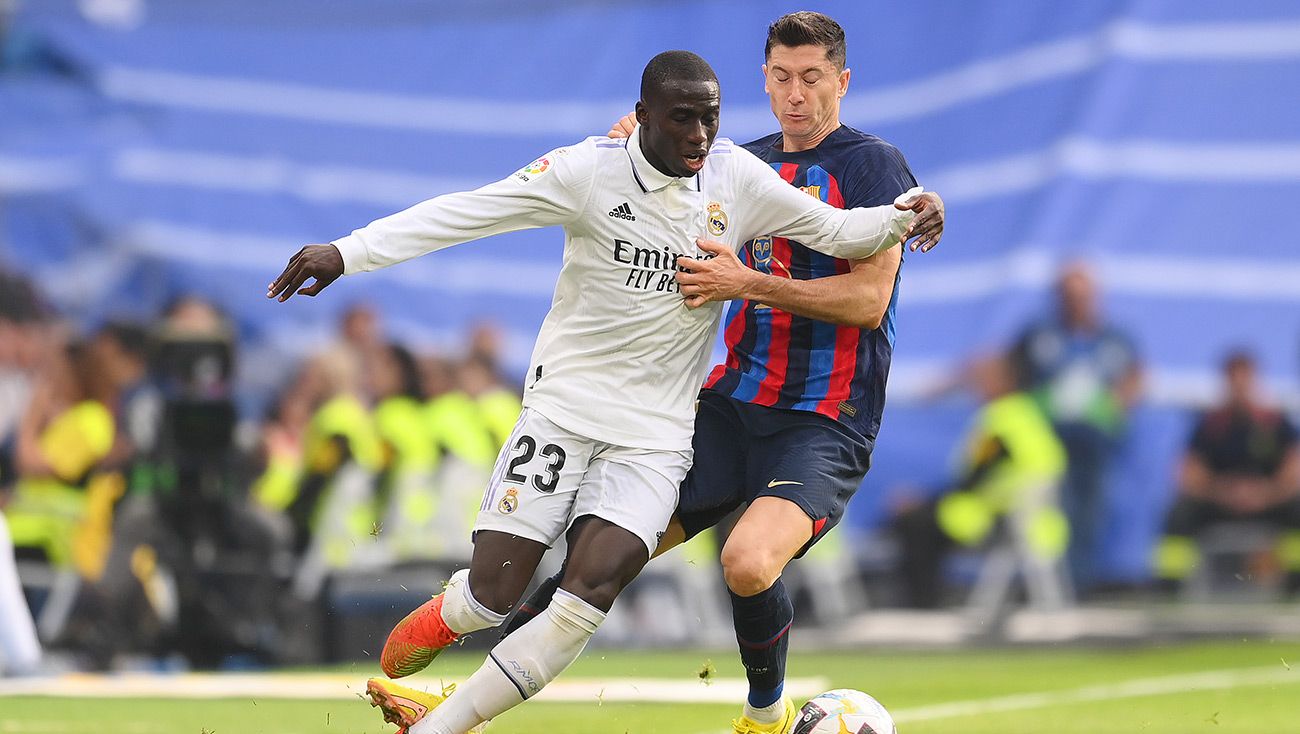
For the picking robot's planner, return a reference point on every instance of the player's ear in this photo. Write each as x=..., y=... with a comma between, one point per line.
x=640, y=112
x=764, y=68
x=844, y=81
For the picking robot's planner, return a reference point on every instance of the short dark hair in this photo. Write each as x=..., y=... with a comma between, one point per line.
x=1238, y=358
x=131, y=337
x=674, y=66
x=807, y=28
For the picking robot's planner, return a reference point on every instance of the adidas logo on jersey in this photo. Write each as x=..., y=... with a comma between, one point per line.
x=623, y=211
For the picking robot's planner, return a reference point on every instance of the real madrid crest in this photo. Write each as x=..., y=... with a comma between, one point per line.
x=509, y=503
x=717, y=219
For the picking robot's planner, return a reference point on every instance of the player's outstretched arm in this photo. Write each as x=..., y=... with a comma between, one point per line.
x=322, y=262
x=549, y=191
x=857, y=298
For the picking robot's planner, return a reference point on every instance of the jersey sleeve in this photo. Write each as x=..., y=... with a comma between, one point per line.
x=885, y=177
x=774, y=207
x=551, y=190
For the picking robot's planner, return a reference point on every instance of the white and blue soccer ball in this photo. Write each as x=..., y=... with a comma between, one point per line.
x=844, y=711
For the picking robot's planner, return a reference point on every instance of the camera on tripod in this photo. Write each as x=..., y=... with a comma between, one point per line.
x=195, y=374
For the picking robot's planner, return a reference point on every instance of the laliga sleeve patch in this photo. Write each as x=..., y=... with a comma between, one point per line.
x=539, y=167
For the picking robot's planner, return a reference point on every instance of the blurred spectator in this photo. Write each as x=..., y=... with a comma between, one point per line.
x=394, y=386
x=1242, y=463
x=360, y=337
x=194, y=316
x=406, y=497
x=452, y=413
x=1009, y=462
x=486, y=343
x=361, y=329
x=341, y=442
x=25, y=342
x=120, y=352
x=283, y=434
x=66, y=433
x=1086, y=373
x=498, y=405
x=21, y=340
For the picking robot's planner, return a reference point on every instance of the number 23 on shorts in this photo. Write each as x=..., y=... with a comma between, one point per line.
x=544, y=479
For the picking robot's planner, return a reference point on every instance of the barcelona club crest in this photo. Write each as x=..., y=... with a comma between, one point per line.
x=717, y=219
x=509, y=503
x=762, y=249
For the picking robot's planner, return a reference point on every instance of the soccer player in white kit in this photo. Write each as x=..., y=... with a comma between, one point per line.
x=605, y=436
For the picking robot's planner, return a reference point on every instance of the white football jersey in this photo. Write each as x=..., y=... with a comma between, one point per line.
x=620, y=358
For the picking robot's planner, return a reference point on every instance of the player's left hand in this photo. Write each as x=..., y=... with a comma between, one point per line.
x=927, y=227
x=722, y=277
x=624, y=127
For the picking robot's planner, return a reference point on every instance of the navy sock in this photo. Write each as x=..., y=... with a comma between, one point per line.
x=763, y=633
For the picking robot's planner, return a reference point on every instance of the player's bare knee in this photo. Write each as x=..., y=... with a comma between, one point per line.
x=498, y=587
x=748, y=572
x=599, y=581
x=598, y=592
x=489, y=591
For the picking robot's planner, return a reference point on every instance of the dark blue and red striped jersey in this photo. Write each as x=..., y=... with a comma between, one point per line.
x=777, y=359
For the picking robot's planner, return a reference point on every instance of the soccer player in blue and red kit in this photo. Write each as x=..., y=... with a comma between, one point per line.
x=788, y=422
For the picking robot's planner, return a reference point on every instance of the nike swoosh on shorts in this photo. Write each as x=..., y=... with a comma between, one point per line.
x=775, y=483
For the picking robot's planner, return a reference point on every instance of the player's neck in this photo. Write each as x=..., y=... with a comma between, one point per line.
x=792, y=144
x=655, y=161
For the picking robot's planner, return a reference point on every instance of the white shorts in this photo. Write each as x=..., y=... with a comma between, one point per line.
x=546, y=477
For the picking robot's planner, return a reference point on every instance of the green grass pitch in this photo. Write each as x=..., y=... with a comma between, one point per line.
x=1215, y=688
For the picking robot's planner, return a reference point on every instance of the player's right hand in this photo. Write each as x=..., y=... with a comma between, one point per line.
x=322, y=262
x=624, y=127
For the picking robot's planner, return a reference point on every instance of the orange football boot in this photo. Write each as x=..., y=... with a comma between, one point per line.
x=416, y=640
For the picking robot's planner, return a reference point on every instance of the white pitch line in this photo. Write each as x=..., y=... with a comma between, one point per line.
x=1135, y=688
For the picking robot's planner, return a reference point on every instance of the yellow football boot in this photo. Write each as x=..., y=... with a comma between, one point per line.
x=745, y=725
x=401, y=705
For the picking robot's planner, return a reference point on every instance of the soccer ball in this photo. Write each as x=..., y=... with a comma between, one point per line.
x=844, y=711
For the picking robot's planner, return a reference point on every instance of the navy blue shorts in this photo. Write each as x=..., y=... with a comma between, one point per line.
x=744, y=451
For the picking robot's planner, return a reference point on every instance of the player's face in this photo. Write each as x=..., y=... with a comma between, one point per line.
x=678, y=126
x=805, y=89
x=1241, y=382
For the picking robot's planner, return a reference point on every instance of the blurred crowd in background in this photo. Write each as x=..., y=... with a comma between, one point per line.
x=148, y=517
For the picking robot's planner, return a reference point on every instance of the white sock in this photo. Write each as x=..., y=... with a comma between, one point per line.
x=769, y=714
x=518, y=667
x=461, y=611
